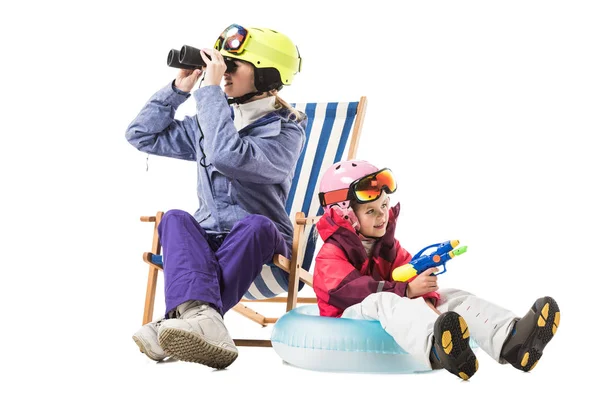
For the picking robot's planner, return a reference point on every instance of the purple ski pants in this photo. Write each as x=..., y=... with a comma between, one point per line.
x=197, y=266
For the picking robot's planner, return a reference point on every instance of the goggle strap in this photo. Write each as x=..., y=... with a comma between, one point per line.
x=335, y=196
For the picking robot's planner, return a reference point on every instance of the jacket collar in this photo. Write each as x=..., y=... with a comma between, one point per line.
x=281, y=114
x=247, y=113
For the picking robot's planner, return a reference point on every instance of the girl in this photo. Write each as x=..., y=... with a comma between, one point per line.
x=353, y=272
x=246, y=156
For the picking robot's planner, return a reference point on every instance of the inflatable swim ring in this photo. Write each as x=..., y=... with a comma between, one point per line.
x=303, y=338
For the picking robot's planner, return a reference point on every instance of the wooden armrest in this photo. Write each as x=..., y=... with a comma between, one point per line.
x=282, y=262
x=302, y=220
x=147, y=257
x=147, y=219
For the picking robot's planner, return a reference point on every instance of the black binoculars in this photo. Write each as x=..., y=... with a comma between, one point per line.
x=189, y=58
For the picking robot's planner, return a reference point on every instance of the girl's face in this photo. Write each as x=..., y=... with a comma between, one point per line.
x=241, y=81
x=373, y=216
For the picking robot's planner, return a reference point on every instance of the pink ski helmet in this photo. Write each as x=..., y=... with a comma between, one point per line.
x=338, y=178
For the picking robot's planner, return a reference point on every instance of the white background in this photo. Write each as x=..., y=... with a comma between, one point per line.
x=487, y=112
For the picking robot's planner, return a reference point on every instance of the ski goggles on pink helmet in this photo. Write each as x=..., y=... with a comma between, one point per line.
x=363, y=190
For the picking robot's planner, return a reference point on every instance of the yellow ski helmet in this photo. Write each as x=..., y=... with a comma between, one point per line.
x=274, y=56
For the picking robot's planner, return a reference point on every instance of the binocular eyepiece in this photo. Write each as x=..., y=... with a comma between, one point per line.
x=189, y=58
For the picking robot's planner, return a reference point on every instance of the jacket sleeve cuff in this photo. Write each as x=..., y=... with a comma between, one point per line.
x=401, y=288
x=171, y=95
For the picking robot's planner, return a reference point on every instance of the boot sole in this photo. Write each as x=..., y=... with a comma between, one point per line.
x=186, y=346
x=452, y=345
x=547, y=319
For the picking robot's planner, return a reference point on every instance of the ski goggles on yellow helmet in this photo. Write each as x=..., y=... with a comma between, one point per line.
x=274, y=56
x=233, y=39
x=363, y=190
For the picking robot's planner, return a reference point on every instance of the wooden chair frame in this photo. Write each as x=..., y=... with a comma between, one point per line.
x=291, y=266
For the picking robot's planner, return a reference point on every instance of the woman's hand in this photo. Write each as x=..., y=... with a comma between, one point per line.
x=425, y=282
x=187, y=78
x=215, y=67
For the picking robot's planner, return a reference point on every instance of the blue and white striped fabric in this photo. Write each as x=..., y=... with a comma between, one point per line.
x=327, y=141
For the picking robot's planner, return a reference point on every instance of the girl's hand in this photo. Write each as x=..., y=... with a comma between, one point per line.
x=425, y=282
x=215, y=67
x=186, y=79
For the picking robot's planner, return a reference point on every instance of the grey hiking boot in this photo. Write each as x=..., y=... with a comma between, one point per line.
x=525, y=344
x=147, y=340
x=198, y=334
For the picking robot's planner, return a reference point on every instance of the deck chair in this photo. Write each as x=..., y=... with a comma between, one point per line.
x=332, y=134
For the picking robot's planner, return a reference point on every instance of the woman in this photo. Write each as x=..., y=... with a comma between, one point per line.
x=246, y=156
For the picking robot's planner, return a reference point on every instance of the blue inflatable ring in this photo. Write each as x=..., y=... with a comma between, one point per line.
x=303, y=338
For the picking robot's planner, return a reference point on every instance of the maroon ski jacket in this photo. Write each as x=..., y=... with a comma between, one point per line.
x=344, y=274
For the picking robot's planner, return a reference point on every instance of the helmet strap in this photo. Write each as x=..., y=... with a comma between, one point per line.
x=242, y=99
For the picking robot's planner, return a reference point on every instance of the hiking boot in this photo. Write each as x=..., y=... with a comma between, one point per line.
x=198, y=334
x=451, y=345
x=525, y=344
x=147, y=340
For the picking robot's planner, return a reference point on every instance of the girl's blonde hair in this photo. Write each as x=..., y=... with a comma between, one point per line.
x=279, y=102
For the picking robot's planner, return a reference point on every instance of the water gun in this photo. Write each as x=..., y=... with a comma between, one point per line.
x=419, y=263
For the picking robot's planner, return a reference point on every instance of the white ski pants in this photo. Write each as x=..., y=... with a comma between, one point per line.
x=410, y=321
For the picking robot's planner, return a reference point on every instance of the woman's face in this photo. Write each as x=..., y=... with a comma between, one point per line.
x=373, y=216
x=241, y=81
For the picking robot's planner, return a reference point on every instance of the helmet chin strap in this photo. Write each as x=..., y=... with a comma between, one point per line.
x=242, y=99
